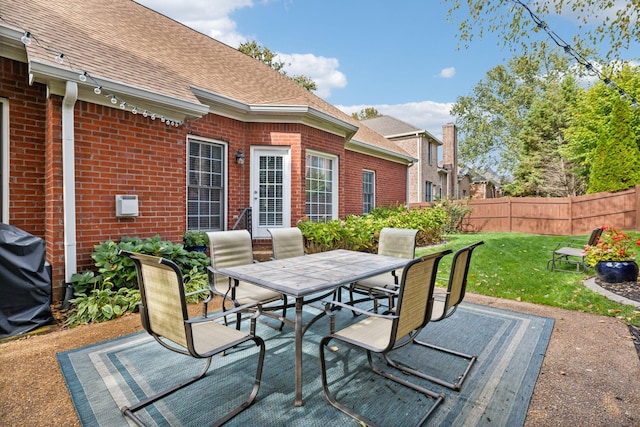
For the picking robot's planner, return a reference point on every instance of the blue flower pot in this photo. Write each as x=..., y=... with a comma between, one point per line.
x=617, y=271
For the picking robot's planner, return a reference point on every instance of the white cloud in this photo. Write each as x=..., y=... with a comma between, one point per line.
x=212, y=17
x=206, y=16
x=447, y=73
x=322, y=70
x=427, y=115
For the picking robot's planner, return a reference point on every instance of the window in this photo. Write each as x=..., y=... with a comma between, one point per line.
x=429, y=152
x=205, y=192
x=4, y=160
x=321, y=187
x=368, y=191
x=271, y=176
x=428, y=195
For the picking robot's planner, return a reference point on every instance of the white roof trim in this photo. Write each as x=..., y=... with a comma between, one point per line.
x=412, y=133
x=303, y=114
x=56, y=77
x=382, y=153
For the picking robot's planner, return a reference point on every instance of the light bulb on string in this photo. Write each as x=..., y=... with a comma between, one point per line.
x=26, y=38
x=114, y=100
x=123, y=105
x=591, y=70
x=97, y=90
x=623, y=95
x=134, y=110
x=60, y=58
x=153, y=116
x=83, y=77
x=145, y=113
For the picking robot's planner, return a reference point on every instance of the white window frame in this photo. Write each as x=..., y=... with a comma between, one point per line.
x=334, y=180
x=373, y=192
x=225, y=178
x=4, y=160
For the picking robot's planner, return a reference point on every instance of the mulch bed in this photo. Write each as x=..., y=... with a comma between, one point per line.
x=630, y=290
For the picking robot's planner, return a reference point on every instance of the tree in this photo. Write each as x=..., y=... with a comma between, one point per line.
x=542, y=171
x=263, y=54
x=593, y=121
x=366, y=113
x=491, y=119
x=616, y=161
x=611, y=22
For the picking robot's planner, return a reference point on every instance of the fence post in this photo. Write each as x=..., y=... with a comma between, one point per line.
x=570, y=215
x=637, y=216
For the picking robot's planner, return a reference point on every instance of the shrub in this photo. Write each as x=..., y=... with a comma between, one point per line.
x=112, y=289
x=361, y=232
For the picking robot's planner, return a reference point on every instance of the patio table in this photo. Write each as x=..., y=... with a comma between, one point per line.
x=303, y=276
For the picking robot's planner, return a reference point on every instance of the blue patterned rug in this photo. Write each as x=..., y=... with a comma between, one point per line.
x=510, y=346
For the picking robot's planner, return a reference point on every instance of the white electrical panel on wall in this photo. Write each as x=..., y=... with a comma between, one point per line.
x=126, y=205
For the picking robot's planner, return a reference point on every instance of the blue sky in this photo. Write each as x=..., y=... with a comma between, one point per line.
x=400, y=57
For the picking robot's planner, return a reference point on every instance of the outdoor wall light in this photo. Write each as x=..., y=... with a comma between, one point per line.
x=240, y=157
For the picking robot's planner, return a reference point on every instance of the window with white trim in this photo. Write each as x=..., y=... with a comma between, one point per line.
x=428, y=194
x=368, y=191
x=205, y=185
x=321, y=183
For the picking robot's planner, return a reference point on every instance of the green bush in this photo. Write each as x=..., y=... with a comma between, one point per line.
x=112, y=289
x=361, y=232
x=457, y=211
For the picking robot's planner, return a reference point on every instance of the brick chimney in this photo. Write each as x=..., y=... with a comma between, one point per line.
x=450, y=158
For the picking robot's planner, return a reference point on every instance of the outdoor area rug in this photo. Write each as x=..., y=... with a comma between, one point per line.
x=510, y=346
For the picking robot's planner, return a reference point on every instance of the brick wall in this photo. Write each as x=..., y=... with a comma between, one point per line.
x=391, y=181
x=27, y=114
x=117, y=152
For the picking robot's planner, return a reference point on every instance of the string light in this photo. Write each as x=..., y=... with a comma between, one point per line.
x=579, y=58
x=27, y=39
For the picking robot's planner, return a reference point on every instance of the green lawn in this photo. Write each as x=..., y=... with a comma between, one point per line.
x=513, y=266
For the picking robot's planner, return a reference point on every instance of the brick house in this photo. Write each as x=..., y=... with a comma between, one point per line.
x=424, y=178
x=117, y=121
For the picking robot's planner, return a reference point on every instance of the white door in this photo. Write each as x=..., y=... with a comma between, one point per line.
x=270, y=189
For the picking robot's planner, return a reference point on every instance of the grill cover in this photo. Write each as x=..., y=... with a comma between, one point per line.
x=25, y=282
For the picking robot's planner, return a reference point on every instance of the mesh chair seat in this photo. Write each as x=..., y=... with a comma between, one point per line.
x=163, y=312
x=398, y=242
x=286, y=242
x=385, y=333
x=230, y=249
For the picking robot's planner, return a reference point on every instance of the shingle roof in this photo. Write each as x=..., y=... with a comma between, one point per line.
x=124, y=42
x=391, y=127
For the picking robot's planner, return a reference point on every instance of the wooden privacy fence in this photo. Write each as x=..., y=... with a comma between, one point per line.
x=555, y=216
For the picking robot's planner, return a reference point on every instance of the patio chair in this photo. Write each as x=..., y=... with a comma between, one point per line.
x=398, y=242
x=286, y=242
x=444, y=305
x=229, y=249
x=571, y=253
x=384, y=333
x=163, y=312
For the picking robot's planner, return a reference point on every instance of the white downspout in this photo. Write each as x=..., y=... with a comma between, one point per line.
x=407, y=186
x=68, y=180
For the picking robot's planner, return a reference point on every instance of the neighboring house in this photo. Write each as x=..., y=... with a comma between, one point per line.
x=485, y=185
x=464, y=184
x=144, y=126
x=424, y=178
